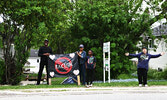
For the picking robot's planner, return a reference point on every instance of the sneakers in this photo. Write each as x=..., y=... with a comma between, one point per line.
x=87, y=86
x=140, y=85
x=90, y=85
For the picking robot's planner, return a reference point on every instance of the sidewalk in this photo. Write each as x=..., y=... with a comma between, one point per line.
x=94, y=93
x=84, y=90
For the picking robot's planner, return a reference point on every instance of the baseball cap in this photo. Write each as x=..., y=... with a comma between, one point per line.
x=46, y=40
x=81, y=46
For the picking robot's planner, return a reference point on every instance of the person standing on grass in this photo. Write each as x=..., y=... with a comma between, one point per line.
x=44, y=53
x=81, y=60
x=90, y=68
x=142, y=67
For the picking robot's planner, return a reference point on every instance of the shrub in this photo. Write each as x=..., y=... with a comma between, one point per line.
x=155, y=74
x=125, y=76
x=165, y=73
x=2, y=71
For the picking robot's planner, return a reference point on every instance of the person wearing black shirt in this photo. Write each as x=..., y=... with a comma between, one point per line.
x=44, y=53
x=90, y=68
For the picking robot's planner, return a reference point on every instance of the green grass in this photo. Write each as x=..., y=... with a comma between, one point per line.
x=129, y=84
x=31, y=75
x=29, y=66
x=38, y=86
x=58, y=85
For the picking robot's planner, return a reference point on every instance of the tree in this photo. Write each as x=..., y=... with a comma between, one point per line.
x=122, y=22
x=60, y=37
x=24, y=24
x=67, y=24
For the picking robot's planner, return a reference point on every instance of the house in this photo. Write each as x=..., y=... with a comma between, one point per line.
x=161, y=45
x=32, y=65
x=160, y=62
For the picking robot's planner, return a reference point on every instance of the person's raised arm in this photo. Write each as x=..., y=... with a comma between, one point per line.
x=78, y=54
x=133, y=55
x=158, y=55
x=82, y=56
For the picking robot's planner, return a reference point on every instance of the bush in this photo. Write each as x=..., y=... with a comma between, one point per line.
x=99, y=73
x=125, y=76
x=152, y=74
x=130, y=74
x=164, y=74
x=155, y=74
x=2, y=71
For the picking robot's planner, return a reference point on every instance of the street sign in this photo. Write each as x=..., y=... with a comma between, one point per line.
x=106, y=47
x=107, y=64
x=106, y=60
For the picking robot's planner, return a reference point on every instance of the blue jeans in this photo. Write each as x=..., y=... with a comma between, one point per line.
x=82, y=70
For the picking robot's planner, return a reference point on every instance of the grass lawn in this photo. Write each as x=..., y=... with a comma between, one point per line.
x=56, y=84
x=129, y=84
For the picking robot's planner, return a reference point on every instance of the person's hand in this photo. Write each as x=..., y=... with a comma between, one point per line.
x=162, y=53
x=46, y=54
x=126, y=54
x=77, y=53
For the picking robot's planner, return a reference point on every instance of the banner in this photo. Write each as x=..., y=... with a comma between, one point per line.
x=63, y=65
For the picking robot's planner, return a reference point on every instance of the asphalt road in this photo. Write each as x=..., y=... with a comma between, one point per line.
x=112, y=93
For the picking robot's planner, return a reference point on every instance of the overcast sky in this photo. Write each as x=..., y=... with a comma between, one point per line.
x=144, y=5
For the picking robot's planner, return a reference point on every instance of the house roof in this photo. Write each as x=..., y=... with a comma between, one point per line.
x=160, y=30
x=33, y=53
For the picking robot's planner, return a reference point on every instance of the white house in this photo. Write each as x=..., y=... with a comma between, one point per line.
x=160, y=62
x=32, y=65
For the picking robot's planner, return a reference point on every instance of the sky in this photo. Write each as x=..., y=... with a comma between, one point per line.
x=144, y=5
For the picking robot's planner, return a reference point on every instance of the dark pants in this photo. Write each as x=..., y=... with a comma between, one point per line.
x=142, y=75
x=82, y=73
x=40, y=72
x=89, y=76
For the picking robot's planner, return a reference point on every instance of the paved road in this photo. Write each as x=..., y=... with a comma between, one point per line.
x=112, y=93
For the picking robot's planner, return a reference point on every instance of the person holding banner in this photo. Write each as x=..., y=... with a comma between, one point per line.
x=90, y=68
x=44, y=53
x=142, y=67
x=81, y=60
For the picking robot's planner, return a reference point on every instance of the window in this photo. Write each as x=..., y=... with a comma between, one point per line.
x=151, y=43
